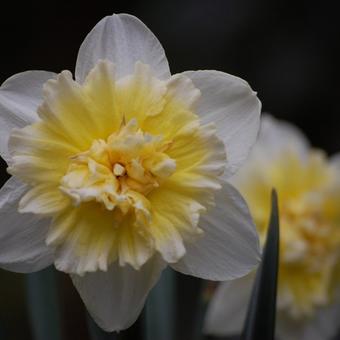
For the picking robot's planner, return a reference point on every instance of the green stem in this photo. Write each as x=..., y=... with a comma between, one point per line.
x=160, y=309
x=200, y=310
x=43, y=305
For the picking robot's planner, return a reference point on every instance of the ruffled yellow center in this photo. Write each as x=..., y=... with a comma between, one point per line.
x=309, y=199
x=120, y=172
x=123, y=167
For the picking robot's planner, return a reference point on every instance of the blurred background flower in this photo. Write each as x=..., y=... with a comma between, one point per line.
x=308, y=188
x=288, y=52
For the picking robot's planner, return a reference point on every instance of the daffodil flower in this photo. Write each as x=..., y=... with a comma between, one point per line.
x=308, y=187
x=122, y=171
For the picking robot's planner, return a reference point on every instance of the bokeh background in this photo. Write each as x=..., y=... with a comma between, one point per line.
x=287, y=51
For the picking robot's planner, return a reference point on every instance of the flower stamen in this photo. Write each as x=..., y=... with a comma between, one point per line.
x=119, y=170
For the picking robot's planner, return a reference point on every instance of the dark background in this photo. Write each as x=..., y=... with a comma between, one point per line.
x=287, y=51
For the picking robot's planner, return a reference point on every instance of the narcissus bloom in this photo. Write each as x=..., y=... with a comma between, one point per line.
x=308, y=187
x=122, y=170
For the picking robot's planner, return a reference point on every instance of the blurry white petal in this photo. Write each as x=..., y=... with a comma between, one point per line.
x=335, y=161
x=124, y=40
x=20, y=96
x=228, y=308
x=115, y=298
x=325, y=325
x=22, y=236
x=227, y=311
x=230, y=103
x=322, y=326
x=229, y=247
x=277, y=136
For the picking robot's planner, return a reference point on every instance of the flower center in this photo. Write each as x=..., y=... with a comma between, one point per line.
x=307, y=234
x=119, y=172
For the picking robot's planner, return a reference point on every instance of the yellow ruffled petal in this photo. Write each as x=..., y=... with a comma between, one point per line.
x=100, y=88
x=140, y=95
x=83, y=239
x=43, y=199
x=67, y=111
x=39, y=154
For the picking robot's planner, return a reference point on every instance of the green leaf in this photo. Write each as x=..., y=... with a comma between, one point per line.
x=159, y=316
x=43, y=304
x=260, y=321
x=200, y=310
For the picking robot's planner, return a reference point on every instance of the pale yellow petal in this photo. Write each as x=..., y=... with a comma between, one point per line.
x=100, y=87
x=140, y=95
x=43, y=199
x=69, y=112
x=39, y=154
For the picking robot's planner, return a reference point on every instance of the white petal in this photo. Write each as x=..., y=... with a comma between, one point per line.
x=325, y=325
x=115, y=298
x=22, y=236
x=276, y=136
x=231, y=104
x=335, y=162
x=124, y=40
x=322, y=326
x=229, y=247
x=227, y=309
x=20, y=96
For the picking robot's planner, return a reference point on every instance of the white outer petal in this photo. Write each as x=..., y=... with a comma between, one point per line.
x=124, y=40
x=323, y=326
x=230, y=103
x=227, y=309
x=335, y=164
x=20, y=96
x=22, y=236
x=229, y=247
x=278, y=135
x=115, y=298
